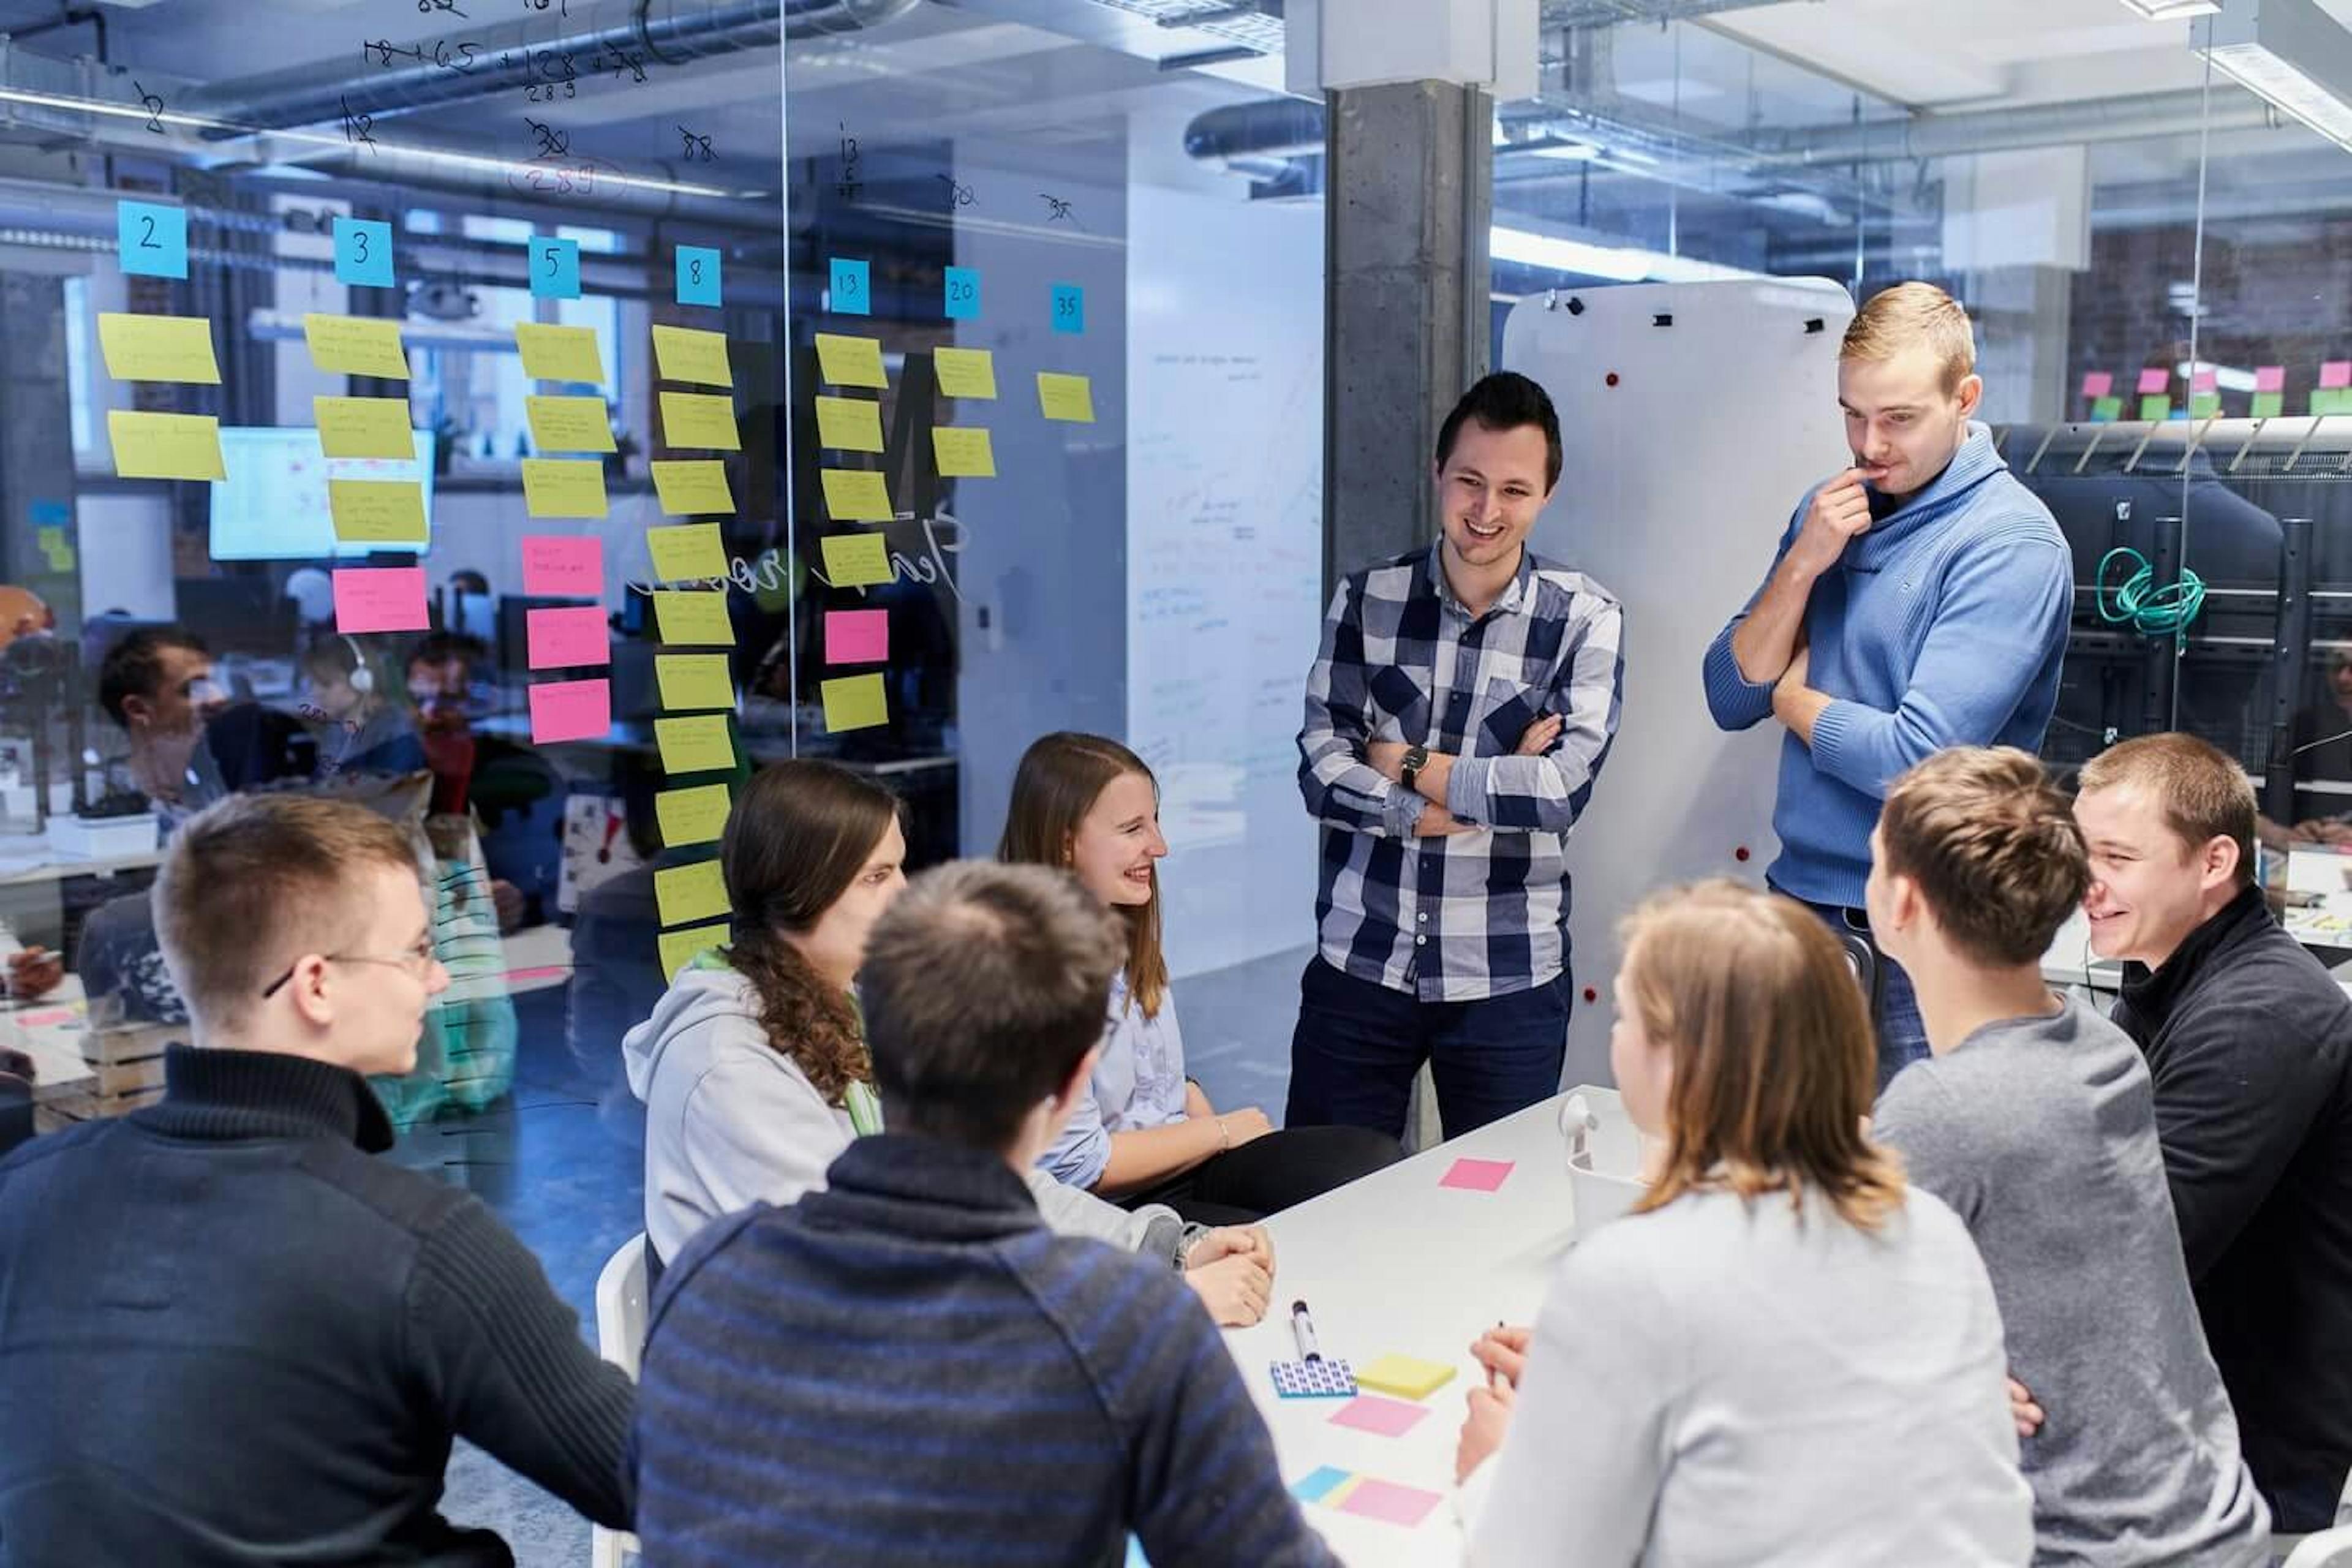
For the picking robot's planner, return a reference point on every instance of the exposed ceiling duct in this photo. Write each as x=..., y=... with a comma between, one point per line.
x=2132, y=117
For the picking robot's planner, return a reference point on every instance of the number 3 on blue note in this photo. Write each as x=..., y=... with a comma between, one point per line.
x=1069, y=308
x=851, y=295
x=554, y=268
x=153, y=238
x=697, y=275
x=363, y=252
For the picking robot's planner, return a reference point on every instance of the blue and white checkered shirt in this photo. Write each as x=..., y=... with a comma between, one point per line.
x=1458, y=917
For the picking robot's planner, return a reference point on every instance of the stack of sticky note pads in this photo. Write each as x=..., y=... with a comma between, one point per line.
x=1407, y=1377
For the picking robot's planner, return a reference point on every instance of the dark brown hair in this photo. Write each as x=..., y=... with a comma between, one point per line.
x=1993, y=847
x=1061, y=777
x=795, y=840
x=2202, y=792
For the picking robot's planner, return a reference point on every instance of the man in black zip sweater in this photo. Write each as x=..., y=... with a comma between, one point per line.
x=2249, y=1043
x=227, y=1334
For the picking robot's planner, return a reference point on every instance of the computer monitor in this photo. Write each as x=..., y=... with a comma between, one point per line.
x=273, y=505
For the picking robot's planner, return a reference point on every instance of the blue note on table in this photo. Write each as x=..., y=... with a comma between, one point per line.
x=1069, y=308
x=852, y=289
x=153, y=238
x=963, y=294
x=554, y=268
x=697, y=275
x=363, y=252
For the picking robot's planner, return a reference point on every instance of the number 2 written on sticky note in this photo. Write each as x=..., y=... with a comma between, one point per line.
x=855, y=702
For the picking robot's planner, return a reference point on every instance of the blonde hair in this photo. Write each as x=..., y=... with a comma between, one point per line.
x=1774, y=1064
x=2201, y=790
x=1993, y=847
x=1910, y=315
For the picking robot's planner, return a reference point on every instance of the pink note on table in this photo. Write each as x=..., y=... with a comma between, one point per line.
x=44, y=1020
x=380, y=599
x=1475, y=1175
x=2153, y=380
x=563, y=567
x=571, y=711
x=1386, y=1418
x=2270, y=378
x=568, y=636
x=1389, y=1502
x=2336, y=373
x=2205, y=381
x=2098, y=383
x=856, y=636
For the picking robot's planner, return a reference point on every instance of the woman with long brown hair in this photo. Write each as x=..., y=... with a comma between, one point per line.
x=1146, y=1132
x=1782, y=1354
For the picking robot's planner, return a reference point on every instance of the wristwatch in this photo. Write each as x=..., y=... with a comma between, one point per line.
x=1415, y=759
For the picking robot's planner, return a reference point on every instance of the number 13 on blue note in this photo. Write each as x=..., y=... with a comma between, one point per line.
x=852, y=295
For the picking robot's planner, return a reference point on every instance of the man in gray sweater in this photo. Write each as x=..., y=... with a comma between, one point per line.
x=2035, y=1118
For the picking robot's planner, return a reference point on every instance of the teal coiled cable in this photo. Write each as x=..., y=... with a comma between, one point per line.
x=2139, y=604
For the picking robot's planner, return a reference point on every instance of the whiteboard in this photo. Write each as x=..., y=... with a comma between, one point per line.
x=1676, y=484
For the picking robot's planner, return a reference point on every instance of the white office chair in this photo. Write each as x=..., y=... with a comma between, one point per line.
x=2326, y=1549
x=621, y=1339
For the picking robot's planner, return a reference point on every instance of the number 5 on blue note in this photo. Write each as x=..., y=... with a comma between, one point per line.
x=554, y=268
x=697, y=275
x=153, y=238
x=363, y=252
x=851, y=295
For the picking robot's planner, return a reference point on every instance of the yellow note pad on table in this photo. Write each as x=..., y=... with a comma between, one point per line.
x=693, y=617
x=686, y=354
x=855, y=702
x=696, y=815
x=694, y=745
x=856, y=495
x=377, y=512
x=694, y=681
x=560, y=353
x=855, y=559
x=693, y=488
x=356, y=345
x=965, y=372
x=158, y=347
x=363, y=427
x=166, y=446
x=695, y=892
x=850, y=361
x=699, y=419
x=963, y=452
x=570, y=424
x=679, y=947
x=692, y=551
x=1070, y=397
x=849, y=423
x=1407, y=1377
x=562, y=487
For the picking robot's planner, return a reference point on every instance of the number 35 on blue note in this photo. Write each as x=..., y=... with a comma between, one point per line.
x=1069, y=308
x=554, y=268
x=153, y=239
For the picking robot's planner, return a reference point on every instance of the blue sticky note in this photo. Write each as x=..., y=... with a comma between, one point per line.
x=697, y=275
x=1069, y=308
x=852, y=292
x=554, y=268
x=963, y=293
x=153, y=238
x=363, y=252
x=1312, y=1487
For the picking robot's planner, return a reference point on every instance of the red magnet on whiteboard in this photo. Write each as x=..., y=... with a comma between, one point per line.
x=1613, y=378
x=1740, y=853
x=1590, y=994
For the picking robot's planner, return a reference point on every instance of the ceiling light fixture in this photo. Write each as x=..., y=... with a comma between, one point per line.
x=2288, y=51
x=2171, y=10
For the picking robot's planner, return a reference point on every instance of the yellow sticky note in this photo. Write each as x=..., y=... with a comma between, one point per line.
x=693, y=488
x=570, y=424
x=363, y=427
x=694, y=681
x=965, y=372
x=564, y=487
x=377, y=512
x=1407, y=1377
x=850, y=361
x=696, y=815
x=855, y=559
x=849, y=423
x=855, y=702
x=166, y=446
x=693, y=617
x=1070, y=397
x=856, y=495
x=699, y=746
x=158, y=347
x=963, y=453
x=356, y=345
x=686, y=354
x=699, y=419
x=692, y=551
x=679, y=947
x=560, y=353
x=684, y=893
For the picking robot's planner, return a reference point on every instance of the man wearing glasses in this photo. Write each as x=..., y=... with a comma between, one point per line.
x=231, y=1335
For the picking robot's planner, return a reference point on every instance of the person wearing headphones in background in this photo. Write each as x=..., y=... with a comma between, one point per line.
x=362, y=731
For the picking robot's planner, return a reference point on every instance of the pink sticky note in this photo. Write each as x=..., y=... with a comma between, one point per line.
x=2270, y=378
x=1475, y=1175
x=44, y=1020
x=563, y=636
x=1387, y=1418
x=380, y=599
x=2205, y=381
x=563, y=566
x=2153, y=380
x=543, y=972
x=2098, y=383
x=856, y=636
x=1389, y=1502
x=571, y=711
x=2336, y=373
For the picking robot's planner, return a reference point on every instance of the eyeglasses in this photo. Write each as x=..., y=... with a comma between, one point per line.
x=418, y=961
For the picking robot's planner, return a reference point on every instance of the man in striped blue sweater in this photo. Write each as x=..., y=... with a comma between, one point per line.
x=908, y=1365
x=1918, y=600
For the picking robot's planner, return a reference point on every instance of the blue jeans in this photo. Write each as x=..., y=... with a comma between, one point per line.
x=1358, y=1043
x=1895, y=1006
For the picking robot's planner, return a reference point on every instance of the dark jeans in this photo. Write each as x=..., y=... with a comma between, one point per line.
x=1358, y=1043
x=1268, y=1175
x=1893, y=1007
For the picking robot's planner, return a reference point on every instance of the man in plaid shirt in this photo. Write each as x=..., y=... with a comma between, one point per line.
x=1461, y=708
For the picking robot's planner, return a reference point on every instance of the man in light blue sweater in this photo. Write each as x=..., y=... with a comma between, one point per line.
x=1917, y=600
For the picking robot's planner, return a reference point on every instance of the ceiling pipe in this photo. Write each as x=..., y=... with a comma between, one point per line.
x=2132, y=117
